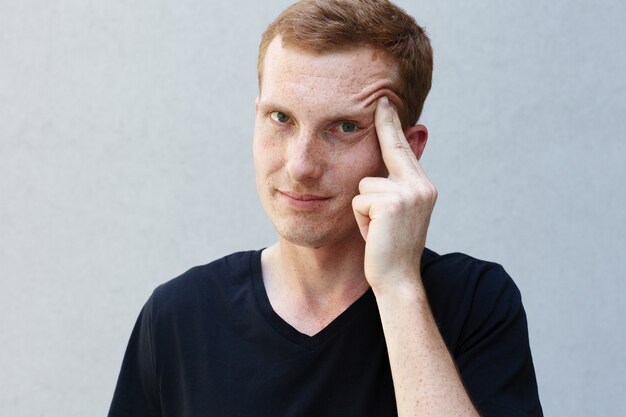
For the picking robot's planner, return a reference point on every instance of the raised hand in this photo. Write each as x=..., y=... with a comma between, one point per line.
x=393, y=213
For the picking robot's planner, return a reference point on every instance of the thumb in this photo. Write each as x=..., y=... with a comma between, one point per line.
x=361, y=215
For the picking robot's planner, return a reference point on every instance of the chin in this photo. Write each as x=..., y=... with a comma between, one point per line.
x=306, y=237
x=316, y=235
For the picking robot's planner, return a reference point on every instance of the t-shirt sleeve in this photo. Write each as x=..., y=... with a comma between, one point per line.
x=136, y=393
x=493, y=355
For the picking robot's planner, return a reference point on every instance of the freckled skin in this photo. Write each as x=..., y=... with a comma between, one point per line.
x=309, y=155
x=316, y=180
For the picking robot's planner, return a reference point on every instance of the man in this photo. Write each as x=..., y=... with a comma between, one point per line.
x=347, y=314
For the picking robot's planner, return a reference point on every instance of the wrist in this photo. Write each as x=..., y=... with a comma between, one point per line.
x=400, y=291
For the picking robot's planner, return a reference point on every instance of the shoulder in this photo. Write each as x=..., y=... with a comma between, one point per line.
x=215, y=280
x=461, y=273
x=479, y=311
x=468, y=294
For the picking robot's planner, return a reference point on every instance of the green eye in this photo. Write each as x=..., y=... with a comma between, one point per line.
x=280, y=117
x=346, y=127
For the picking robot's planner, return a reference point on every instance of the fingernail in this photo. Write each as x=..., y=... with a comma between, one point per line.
x=384, y=102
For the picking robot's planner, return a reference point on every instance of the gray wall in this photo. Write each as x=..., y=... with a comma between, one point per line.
x=125, y=158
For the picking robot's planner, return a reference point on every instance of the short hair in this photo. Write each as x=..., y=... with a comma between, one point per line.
x=332, y=25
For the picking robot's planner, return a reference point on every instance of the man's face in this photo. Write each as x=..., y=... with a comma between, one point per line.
x=315, y=138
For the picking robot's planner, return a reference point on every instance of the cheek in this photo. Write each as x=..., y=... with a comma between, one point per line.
x=268, y=137
x=366, y=159
x=265, y=148
x=360, y=162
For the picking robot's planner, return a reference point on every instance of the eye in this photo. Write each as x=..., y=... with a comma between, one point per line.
x=346, y=127
x=280, y=117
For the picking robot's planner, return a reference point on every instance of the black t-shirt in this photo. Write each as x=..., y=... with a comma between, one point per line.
x=208, y=343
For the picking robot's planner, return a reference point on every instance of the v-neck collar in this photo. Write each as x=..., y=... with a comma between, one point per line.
x=289, y=332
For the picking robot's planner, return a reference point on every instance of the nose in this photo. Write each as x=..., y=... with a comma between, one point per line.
x=304, y=157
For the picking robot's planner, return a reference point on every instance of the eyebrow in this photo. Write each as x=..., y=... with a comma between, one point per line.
x=272, y=105
x=360, y=114
x=357, y=116
x=377, y=90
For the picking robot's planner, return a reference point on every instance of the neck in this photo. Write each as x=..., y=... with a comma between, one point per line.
x=309, y=287
x=324, y=270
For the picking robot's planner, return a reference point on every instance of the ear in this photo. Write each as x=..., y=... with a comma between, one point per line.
x=417, y=136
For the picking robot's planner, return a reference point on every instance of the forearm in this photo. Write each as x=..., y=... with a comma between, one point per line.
x=425, y=378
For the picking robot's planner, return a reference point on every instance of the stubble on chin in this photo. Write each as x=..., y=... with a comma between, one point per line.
x=314, y=231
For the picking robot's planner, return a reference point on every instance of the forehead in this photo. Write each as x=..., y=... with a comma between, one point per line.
x=358, y=75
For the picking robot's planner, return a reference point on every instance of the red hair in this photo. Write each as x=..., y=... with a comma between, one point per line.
x=332, y=25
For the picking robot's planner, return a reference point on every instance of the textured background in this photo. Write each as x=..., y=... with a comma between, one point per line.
x=125, y=158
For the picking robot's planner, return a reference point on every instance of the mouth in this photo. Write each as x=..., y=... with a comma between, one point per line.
x=303, y=201
x=303, y=197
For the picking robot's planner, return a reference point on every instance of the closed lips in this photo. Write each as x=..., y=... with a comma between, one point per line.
x=303, y=197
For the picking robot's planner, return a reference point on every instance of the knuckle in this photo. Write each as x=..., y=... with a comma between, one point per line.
x=431, y=190
x=422, y=193
x=400, y=145
x=395, y=204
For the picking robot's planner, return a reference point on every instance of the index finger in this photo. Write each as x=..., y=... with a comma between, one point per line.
x=396, y=151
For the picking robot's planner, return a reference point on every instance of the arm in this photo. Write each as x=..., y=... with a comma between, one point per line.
x=393, y=215
x=425, y=378
x=136, y=392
